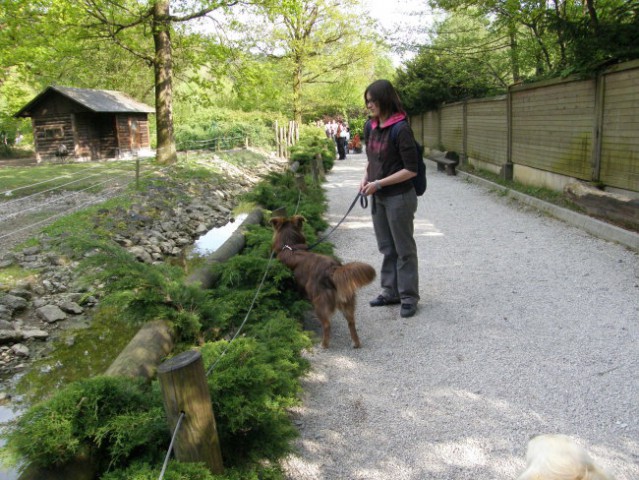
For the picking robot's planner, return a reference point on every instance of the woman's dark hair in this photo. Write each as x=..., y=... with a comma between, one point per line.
x=383, y=92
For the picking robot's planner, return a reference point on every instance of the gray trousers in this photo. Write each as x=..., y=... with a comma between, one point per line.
x=394, y=230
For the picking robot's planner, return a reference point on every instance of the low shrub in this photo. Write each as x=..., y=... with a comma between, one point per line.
x=313, y=142
x=254, y=378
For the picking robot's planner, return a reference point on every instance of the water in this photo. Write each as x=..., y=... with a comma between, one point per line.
x=76, y=353
x=215, y=238
x=7, y=414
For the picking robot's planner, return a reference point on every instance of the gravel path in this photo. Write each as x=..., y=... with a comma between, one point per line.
x=526, y=326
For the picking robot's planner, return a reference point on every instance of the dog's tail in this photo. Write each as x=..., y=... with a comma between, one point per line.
x=350, y=277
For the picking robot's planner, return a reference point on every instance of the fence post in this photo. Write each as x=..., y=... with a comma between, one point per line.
x=507, y=170
x=137, y=173
x=598, y=126
x=184, y=389
x=464, y=155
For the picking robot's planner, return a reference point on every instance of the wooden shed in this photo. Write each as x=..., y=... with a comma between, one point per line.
x=86, y=124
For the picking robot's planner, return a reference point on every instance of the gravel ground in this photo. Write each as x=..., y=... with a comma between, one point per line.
x=526, y=326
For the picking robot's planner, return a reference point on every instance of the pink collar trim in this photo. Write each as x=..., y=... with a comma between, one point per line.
x=392, y=120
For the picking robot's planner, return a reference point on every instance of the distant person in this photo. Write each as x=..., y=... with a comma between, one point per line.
x=340, y=139
x=392, y=163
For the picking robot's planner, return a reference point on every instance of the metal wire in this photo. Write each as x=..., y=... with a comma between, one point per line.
x=168, y=453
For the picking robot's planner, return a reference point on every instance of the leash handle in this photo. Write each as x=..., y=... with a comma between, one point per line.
x=363, y=201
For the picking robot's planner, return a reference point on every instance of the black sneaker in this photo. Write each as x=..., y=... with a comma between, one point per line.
x=408, y=310
x=382, y=301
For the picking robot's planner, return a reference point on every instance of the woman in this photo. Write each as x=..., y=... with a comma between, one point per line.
x=392, y=163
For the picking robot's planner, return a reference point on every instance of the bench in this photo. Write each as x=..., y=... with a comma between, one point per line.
x=446, y=161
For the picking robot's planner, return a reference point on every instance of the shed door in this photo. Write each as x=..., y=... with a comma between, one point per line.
x=136, y=134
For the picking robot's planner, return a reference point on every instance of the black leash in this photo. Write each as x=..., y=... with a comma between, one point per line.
x=363, y=201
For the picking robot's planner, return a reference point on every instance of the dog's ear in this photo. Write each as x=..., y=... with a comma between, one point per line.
x=298, y=221
x=277, y=222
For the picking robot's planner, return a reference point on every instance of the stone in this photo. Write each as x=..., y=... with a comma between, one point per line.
x=141, y=254
x=71, y=307
x=35, y=335
x=13, y=303
x=51, y=313
x=31, y=251
x=9, y=336
x=6, y=262
x=20, y=350
x=21, y=292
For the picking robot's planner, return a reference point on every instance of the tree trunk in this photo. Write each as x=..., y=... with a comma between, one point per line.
x=592, y=13
x=514, y=53
x=297, y=91
x=163, y=66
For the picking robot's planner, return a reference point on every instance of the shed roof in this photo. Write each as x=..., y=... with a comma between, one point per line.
x=99, y=101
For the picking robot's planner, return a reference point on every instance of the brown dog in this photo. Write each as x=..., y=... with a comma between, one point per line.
x=328, y=284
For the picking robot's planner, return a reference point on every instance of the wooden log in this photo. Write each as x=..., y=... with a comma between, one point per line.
x=599, y=203
x=140, y=358
x=185, y=390
x=236, y=242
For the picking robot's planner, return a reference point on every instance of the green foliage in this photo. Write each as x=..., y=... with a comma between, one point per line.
x=357, y=126
x=251, y=388
x=111, y=416
x=175, y=471
x=281, y=191
x=313, y=142
x=141, y=292
x=253, y=383
x=590, y=44
x=466, y=60
x=201, y=126
x=194, y=471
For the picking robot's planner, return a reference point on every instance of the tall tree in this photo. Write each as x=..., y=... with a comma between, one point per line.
x=316, y=41
x=112, y=18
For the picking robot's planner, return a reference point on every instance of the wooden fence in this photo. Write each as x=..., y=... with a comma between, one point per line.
x=548, y=133
x=285, y=136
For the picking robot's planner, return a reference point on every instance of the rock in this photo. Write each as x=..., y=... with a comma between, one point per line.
x=40, y=302
x=141, y=254
x=71, y=307
x=20, y=350
x=5, y=325
x=21, y=292
x=5, y=314
x=35, y=335
x=31, y=251
x=13, y=303
x=9, y=336
x=51, y=313
x=6, y=262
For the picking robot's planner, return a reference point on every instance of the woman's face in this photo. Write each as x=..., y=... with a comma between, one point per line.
x=372, y=105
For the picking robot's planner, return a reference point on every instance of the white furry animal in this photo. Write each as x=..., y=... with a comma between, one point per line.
x=558, y=457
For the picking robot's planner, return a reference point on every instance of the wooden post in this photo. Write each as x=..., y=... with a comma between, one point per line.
x=598, y=126
x=184, y=389
x=137, y=173
x=464, y=155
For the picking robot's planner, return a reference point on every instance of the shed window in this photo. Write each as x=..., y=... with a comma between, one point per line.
x=51, y=132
